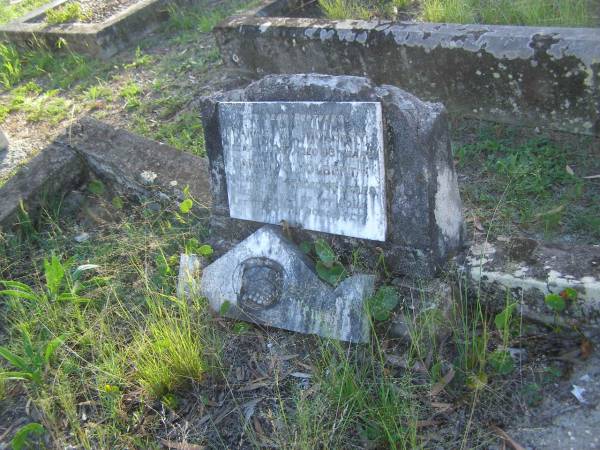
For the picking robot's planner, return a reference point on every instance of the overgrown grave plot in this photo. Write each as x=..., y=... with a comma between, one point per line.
x=117, y=360
x=96, y=28
x=148, y=89
x=516, y=74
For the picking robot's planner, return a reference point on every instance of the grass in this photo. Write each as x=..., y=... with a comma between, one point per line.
x=530, y=12
x=570, y=13
x=70, y=12
x=131, y=364
x=10, y=11
x=535, y=184
x=114, y=325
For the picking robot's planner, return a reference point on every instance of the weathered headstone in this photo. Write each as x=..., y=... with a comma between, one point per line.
x=335, y=157
x=369, y=165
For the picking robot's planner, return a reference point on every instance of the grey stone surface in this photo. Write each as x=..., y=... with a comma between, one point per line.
x=541, y=76
x=315, y=165
x=50, y=174
x=267, y=280
x=3, y=142
x=423, y=208
x=139, y=165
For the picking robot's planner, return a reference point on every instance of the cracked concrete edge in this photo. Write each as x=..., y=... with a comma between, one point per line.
x=538, y=76
x=140, y=166
x=51, y=173
x=525, y=271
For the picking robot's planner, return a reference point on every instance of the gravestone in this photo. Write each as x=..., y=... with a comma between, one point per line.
x=327, y=157
x=337, y=157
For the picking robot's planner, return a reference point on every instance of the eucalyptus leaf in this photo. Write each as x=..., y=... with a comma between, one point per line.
x=332, y=275
x=383, y=302
x=325, y=253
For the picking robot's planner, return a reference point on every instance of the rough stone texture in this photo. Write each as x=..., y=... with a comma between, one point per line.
x=315, y=165
x=140, y=165
x=425, y=225
x=55, y=170
x=101, y=40
x=267, y=280
x=529, y=270
x=3, y=142
x=542, y=76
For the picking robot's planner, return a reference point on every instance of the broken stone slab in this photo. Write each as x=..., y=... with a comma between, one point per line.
x=529, y=270
x=3, y=142
x=267, y=280
x=139, y=165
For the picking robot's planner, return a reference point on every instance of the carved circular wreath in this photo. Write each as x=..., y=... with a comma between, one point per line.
x=262, y=283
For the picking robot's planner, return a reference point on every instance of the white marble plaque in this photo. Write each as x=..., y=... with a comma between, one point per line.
x=316, y=165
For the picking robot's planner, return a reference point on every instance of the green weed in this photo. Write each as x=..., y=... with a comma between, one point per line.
x=131, y=92
x=13, y=10
x=70, y=12
x=533, y=12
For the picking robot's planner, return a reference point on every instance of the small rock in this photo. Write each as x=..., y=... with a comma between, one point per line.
x=148, y=177
x=578, y=393
x=82, y=237
x=3, y=142
x=400, y=327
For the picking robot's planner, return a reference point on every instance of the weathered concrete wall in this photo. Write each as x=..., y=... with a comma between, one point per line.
x=101, y=40
x=546, y=77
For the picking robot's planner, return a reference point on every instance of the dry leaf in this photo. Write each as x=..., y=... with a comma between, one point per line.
x=586, y=348
x=505, y=436
x=442, y=407
x=427, y=423
x=253, y=386
x=477, y=224
x=181, y=445
x=552, y=211
x=440, y=385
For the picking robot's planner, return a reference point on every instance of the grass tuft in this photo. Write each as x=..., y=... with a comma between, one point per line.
x=70, y=12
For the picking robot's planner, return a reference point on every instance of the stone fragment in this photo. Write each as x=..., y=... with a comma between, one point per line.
x=3, y=142
x=267, y=280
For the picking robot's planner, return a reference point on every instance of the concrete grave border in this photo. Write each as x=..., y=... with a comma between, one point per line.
x=539, y=76
x=133, y=165
x=102, y=39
